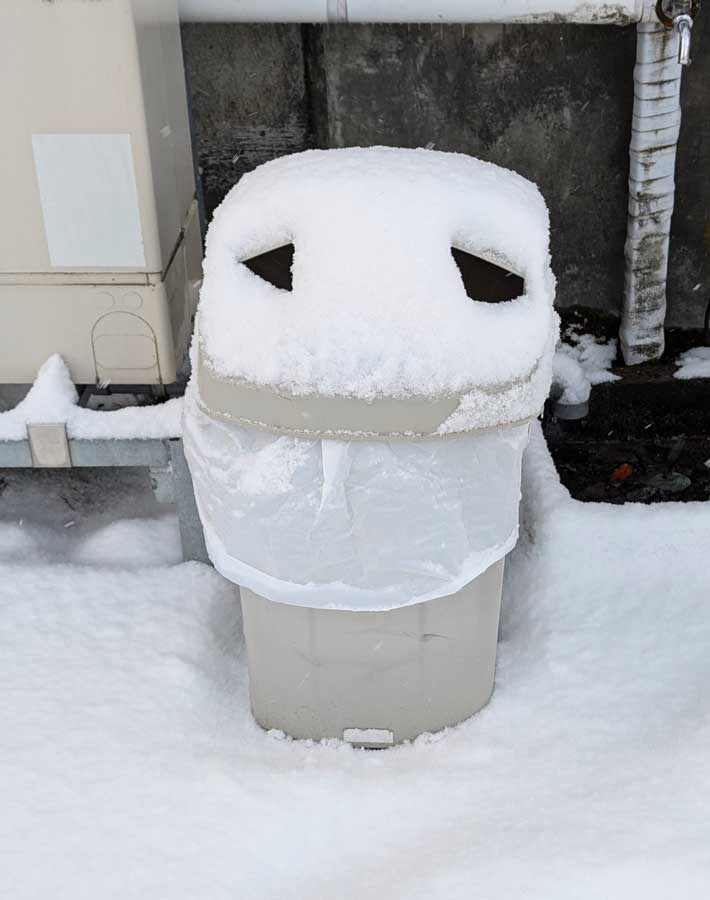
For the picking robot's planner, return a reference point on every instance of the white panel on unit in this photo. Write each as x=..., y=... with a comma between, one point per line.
x=87, y=187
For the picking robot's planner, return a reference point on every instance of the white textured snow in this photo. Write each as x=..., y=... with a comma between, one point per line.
x=694, y=363
x=130, y=766
x=378, y=306
x=53, y=399
x=580, y=362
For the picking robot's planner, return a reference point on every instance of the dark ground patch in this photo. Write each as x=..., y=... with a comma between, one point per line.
x=652, y=424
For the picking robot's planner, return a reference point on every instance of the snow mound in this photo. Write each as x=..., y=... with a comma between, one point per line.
x=693, y=363
x=53, y=399
x=378, y=306
x=125, y=544
x=578, y=366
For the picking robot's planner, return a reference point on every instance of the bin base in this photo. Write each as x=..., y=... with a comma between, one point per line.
x=373, y=678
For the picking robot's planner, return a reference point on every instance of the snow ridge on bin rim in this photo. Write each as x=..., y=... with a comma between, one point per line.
x=378, y=308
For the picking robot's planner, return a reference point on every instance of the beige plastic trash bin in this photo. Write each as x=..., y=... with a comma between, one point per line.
x=357, y=465
x=373, y=678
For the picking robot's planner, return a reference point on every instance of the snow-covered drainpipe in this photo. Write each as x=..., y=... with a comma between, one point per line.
x=663, y=45
x=654, y=139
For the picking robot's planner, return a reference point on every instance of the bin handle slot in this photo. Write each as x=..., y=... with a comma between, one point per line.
x=274, y=266
x=486, y=281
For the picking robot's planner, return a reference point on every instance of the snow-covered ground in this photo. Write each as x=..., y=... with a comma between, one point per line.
x=96, y=517
x=693, y=363
x=130, y=766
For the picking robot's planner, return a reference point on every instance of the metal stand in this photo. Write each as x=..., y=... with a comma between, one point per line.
x=49, y=447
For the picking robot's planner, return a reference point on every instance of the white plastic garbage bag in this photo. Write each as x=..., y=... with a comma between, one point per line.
x=360, y=525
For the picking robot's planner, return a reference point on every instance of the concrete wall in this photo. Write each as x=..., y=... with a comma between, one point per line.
x=553, y=102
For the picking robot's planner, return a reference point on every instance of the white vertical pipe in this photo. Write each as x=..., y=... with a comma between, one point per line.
x=655, y=127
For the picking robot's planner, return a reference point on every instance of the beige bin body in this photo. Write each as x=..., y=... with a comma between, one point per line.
x=373, y=678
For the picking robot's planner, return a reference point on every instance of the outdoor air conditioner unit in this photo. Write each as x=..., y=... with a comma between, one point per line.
x=100, y=247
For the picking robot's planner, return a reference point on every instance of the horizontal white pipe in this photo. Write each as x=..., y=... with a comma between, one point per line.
x=614, y=12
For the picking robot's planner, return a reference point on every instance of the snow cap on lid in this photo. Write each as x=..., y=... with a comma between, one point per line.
x=378, y=307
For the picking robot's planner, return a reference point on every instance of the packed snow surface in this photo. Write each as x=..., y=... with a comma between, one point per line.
x=130, y=766
x=53, y=398
x=378, y=306
x=693, y=363
x=579, y=363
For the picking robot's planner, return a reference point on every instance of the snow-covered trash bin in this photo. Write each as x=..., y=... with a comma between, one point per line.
x=375, y=333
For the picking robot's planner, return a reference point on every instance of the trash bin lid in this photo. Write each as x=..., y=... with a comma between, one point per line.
x=379, y=292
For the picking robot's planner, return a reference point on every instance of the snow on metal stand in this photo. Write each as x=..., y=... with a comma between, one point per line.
x=48, y=429
x=655, y=127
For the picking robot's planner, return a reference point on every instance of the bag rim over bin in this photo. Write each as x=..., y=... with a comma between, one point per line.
x=353, y=525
